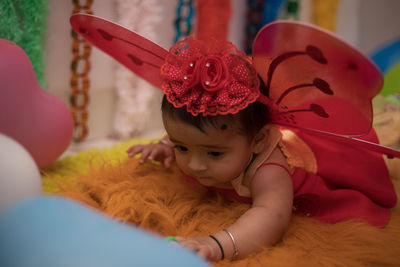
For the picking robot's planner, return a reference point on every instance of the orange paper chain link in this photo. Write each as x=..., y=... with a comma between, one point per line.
x=80, y=82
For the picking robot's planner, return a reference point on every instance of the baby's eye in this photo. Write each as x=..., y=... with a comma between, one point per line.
x=215, y=154
x=181, y=148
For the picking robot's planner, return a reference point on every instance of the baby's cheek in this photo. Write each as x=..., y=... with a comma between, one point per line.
x=232, y=167
x=180, y=161
x=225, y=172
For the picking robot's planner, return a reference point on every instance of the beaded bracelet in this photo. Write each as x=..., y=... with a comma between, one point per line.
x=172, y=241
x=220, y=247
x=235, y=248
x=171, y=238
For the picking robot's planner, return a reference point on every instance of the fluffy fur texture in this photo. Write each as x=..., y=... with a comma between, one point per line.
x=159, y=200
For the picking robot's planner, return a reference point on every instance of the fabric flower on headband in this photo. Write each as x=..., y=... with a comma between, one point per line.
x=209, y=78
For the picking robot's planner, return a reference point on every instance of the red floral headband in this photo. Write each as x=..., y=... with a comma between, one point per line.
x=209, y=78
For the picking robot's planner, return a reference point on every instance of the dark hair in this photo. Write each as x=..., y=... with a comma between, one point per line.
x=248, y=121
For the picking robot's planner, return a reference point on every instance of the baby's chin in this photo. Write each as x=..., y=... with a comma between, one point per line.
x=210, y=182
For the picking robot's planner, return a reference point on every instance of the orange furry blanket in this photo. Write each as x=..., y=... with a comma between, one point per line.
x=158, y=199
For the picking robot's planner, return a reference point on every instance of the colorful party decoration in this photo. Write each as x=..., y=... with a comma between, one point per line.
x=291, y=10
x=254, y=19
x=183, y=21
x=324, y=13
x=387, y=56
x=262, y=12
x=24, y=23
x=19, y=175
x=391, y=85
x=80, y=81
x=36, y=119
x=134, y=95
x=212, y=19
x=52, y=231
x=272, y=9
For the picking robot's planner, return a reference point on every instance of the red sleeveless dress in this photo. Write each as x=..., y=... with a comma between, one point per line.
x=332, y=181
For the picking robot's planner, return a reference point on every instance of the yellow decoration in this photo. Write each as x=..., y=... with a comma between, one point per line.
x=83, y=162
x=324, y=13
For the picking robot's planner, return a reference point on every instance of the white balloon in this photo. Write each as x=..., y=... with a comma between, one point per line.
x=19, y=175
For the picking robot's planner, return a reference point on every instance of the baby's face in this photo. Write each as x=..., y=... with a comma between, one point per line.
x=214, y=157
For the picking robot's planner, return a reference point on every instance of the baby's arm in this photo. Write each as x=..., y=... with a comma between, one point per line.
x=266, y=221
x=162, y=151
x=263, y=224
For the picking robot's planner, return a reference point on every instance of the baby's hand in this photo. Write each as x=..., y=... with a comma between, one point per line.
x=159, y=152
x=204, y=246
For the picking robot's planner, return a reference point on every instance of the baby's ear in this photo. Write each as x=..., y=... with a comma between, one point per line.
x=260, y=140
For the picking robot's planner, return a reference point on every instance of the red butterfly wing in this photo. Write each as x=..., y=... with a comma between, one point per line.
x=135, y=52
x=315, y=80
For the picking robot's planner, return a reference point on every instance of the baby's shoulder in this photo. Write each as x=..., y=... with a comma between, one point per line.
x=297, y=153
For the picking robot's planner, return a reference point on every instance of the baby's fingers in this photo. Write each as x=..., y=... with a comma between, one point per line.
x=153, y=154
x=134, y=150
x=145, y=155
x=192, y=245
x=204, y=253
x=188, y=243
x=168, y=160
x=180, y=239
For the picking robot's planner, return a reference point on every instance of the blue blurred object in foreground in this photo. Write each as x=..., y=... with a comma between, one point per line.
x=52, y=231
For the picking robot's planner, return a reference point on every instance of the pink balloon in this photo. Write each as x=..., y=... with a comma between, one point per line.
x=38, y=120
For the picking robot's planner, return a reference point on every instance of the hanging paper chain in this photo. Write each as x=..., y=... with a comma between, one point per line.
x=324, y=13
x=213, y=19
x=183, y=21
x=254, y=22
x=135, y=95
x=291, y=10
x=262, y=12
x=272, y=10
x=80, y=83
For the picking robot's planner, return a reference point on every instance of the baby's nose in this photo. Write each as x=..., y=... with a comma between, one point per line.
x=197, y=164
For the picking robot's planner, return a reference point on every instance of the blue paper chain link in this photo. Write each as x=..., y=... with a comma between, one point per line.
x=272, y=10
x=183, y=20
x=260, y=13
x=254, y=22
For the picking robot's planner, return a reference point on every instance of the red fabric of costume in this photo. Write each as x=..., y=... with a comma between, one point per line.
x=351, y=183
